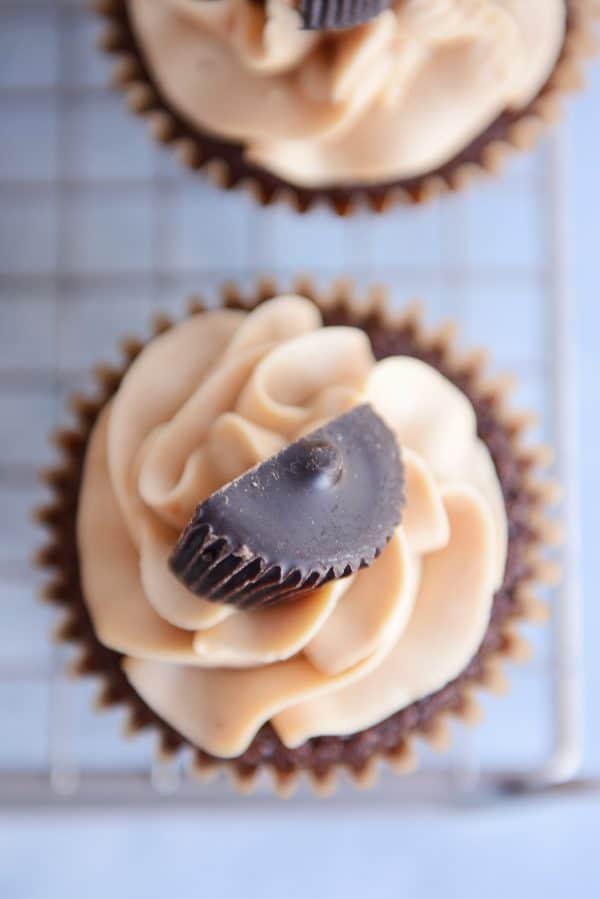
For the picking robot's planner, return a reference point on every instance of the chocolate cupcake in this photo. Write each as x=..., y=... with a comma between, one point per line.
x=296, y=534
x=349, y=103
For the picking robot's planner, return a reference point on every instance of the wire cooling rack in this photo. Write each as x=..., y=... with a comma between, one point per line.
x=98, y=229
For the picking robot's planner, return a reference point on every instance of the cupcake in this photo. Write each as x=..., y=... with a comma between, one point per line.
x=295, y=534
x=370, y=101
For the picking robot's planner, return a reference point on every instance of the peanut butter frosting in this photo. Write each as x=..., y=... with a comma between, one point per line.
x=203, y=403
x=394, y=98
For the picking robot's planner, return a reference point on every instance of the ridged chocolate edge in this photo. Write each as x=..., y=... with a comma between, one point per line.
x=245, y=581
x=224, y=163
x=527, y=498
x=320, y=15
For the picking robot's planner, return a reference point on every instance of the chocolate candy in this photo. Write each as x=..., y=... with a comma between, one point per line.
x=320, y=15
x=320, y=509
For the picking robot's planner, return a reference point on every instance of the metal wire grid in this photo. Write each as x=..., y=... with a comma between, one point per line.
x=98, y=228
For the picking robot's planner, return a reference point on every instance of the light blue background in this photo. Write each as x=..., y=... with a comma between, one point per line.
x=549, y=848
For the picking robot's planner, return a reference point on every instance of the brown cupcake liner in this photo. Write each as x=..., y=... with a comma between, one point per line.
x=224, y=163
x=528, y=497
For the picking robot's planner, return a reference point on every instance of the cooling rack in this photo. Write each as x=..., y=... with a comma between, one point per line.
x=98, y=229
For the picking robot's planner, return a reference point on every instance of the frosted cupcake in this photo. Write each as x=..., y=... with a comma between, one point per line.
x=283, y=608
x=295, y=99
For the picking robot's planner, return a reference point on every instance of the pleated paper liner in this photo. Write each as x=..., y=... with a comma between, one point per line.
x=528, y=496
x=224, y=163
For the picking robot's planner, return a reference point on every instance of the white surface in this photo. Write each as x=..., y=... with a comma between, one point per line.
x=523, y=850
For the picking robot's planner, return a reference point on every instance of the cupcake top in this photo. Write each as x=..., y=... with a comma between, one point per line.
x=204, y=403
x=393, y=98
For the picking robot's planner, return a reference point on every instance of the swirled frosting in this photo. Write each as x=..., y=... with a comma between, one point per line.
x=208, y=400
x=394, y=98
